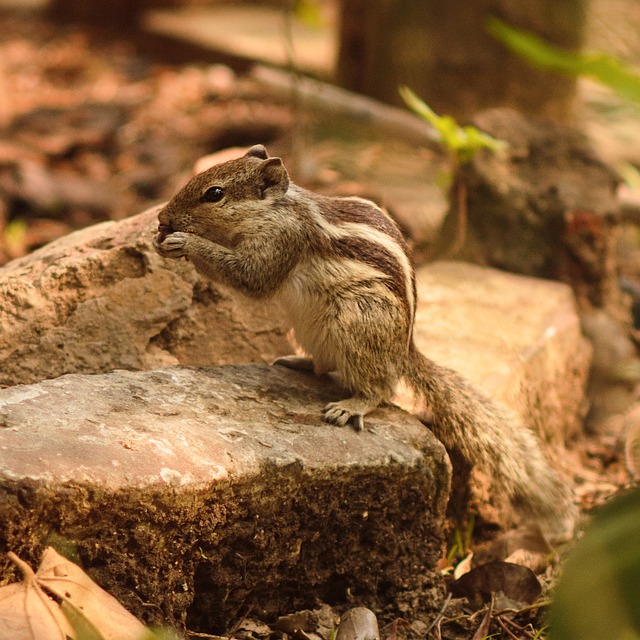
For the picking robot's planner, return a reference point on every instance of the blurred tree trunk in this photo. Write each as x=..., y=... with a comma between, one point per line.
x=441, y=50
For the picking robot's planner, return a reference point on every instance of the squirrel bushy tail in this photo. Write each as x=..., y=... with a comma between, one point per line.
x=492, y=437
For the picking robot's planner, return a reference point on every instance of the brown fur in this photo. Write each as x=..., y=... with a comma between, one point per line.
x=341, y=269
x=376, y=256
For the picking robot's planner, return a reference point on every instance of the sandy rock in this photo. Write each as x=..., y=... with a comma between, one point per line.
x=101, y=298
x=204, y=491
x=518, y=338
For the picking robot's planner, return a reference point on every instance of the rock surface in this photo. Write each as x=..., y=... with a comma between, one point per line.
x=102, y=299
x=208, y=490
x=205, y=490
x=518, y=338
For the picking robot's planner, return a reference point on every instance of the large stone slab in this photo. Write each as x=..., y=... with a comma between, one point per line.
x=204, y=491
x=101, y=299
x=518, y=338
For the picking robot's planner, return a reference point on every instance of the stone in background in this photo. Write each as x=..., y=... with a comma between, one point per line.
x=101, y=299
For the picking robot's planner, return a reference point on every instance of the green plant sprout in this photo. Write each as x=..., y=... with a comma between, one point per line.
x=308, y=12
x=606, y=69
x=461, y=142
x=461, y=542
x=541, y=634
x=14, y=236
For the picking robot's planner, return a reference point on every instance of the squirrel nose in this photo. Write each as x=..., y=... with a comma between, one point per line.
x=164, y=230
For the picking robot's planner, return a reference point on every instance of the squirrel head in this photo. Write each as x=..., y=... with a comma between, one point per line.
x=223, y=202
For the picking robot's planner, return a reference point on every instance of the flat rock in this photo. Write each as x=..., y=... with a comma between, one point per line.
x=101, y=299
x=205, y=491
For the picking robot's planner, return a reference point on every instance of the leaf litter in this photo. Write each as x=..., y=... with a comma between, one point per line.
x=58, y=600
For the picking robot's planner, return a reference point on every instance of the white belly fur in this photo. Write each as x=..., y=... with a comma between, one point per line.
x=312, y=297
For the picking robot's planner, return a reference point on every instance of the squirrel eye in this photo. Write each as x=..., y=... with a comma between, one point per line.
x=213, y=194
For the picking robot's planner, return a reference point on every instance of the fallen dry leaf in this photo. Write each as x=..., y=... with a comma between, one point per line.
x=27, y=612
x=526, y=546
x=87, y=600
x=464, y=566
x=483, y=630
x=358, y=623
x=297, y=623
x=537, y=562
x=514, y=581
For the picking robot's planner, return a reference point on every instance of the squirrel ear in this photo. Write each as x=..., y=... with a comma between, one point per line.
x=257, y=151
x=274, y=179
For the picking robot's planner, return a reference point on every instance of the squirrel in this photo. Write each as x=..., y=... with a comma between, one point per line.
x=342, y=271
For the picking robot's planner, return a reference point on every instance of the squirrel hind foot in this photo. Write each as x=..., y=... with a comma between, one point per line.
x=349, y=410
x=297, y=363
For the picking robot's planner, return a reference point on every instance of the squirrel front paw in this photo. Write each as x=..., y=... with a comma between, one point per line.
x=173, y=245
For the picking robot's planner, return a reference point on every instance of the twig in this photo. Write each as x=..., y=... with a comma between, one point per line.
x=506, y=629
x=235, y=628
x=466, y=616
x=477, y=613
x=405, y=623
x=440, y=615
x=515, y=625
x=333, y=100
x=461, y=217
x=531, y=607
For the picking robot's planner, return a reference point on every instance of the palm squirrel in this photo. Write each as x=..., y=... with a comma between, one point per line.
x=342, y=271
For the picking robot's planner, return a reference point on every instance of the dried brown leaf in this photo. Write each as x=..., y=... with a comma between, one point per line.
x=483, y=630
x=358, y=623
x=514, y=581
x=537, y=562
x=88, y=601
x=27, y=612
x=464, y=566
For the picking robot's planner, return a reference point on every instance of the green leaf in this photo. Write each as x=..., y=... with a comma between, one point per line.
x=461, y=142
x=599, y=593
x=630, y=174
x=602, y=67
x=308, y=12
x=14, y=235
